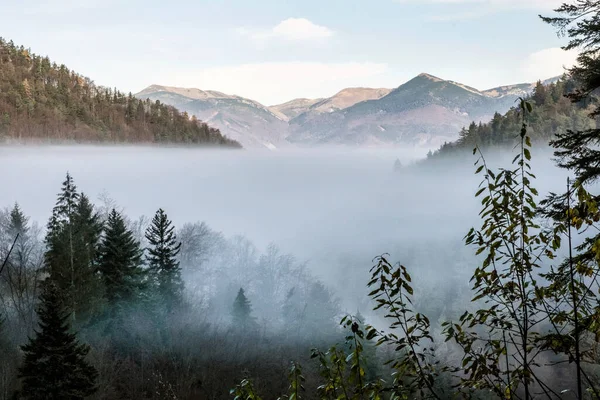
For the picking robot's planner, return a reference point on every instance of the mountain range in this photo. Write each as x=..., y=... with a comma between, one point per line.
x=425, y=111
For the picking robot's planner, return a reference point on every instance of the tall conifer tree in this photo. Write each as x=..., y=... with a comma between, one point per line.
x=241, y=311
x=59, y=239
x=119, y=265
x=162, y=260
x=55, y=367
x=71, y=257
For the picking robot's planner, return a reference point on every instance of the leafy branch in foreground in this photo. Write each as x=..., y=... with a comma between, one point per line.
x=499, y=340
x=414, y=368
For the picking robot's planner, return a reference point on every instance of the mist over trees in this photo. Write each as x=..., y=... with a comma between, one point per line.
x=553, y=113
x=101, y=306
x=110, y=301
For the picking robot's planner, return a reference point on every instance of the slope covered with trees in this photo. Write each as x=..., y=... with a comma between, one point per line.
x=99, y=306
x=552, y=114
x=41, y=100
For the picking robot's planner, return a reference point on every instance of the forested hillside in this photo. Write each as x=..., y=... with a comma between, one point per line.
x=552, y=113
x=165, y=312
x=40, y=100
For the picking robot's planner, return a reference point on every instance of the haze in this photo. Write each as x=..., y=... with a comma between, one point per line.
x=335, y=208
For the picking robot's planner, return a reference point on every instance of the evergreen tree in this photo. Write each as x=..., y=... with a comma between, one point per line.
x=162, y=260
x=574, y=280
x=241, y=311
x=578, y=150
x=59, y=258
x=119, y=264
x=55, y=367
x=71, y=258
x=22, y=267
x=39, y=99
x=18, y=224
x=88, y=230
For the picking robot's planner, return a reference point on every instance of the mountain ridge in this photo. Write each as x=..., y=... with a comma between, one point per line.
x=425, y=110
x=41, y=101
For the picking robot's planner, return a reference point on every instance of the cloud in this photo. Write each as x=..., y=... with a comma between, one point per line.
x=277, y=82
x=548, y=63
x=291, y=29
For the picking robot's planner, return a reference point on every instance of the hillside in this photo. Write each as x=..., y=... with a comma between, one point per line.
x=40, y=100
x=244, y=120
x=346, y=98
x=293, y=108
x=552, y=113
x=426, y=110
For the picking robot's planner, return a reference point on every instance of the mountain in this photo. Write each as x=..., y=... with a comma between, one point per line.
x=426, y=110
x=342, y=99
x=244, y=120
x=347, y=98
x=523, y=89
x=40, y=100
x=293, y=108
x=552, y=113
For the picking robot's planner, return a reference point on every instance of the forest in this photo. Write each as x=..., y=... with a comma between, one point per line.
x=119, y=284
x=552, y=114
x=101, y=306
x=43, y=101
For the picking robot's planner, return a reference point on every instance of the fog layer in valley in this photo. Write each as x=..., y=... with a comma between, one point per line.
x=335, y=209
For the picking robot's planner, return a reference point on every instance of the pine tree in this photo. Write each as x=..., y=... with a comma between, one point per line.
x=59, y=258
x=72, y=245
x=87, y=227
x=578, y=150
x=162, y=260
x=59, y=238
x=18, y=225
x=119, y=265
x=22, y=267
x=55, y=367
x=241, y=311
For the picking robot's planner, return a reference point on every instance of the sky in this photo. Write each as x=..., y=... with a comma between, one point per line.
x=273, y=51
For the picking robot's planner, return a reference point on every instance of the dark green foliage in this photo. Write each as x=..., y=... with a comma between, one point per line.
x=162, y=260
x=59, y=258
x=574, y=282
x=45, y=101
x=19, y=226
x=241, y=311
x=18, y=222
x=119, y=266
x=296, y=389
x=245, y=391
x=71, y=257
x=553, y=114
x=54, y=366
x=576, y=147
x=414, y=365
x=514, y=247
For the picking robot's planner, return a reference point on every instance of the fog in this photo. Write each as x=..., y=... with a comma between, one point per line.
x=296, y=229
x=334, y=208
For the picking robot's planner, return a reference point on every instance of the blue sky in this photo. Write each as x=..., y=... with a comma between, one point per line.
x=276, y=50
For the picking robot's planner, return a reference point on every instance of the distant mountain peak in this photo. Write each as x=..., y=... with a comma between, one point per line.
x=192, y=93
x=430, y=77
